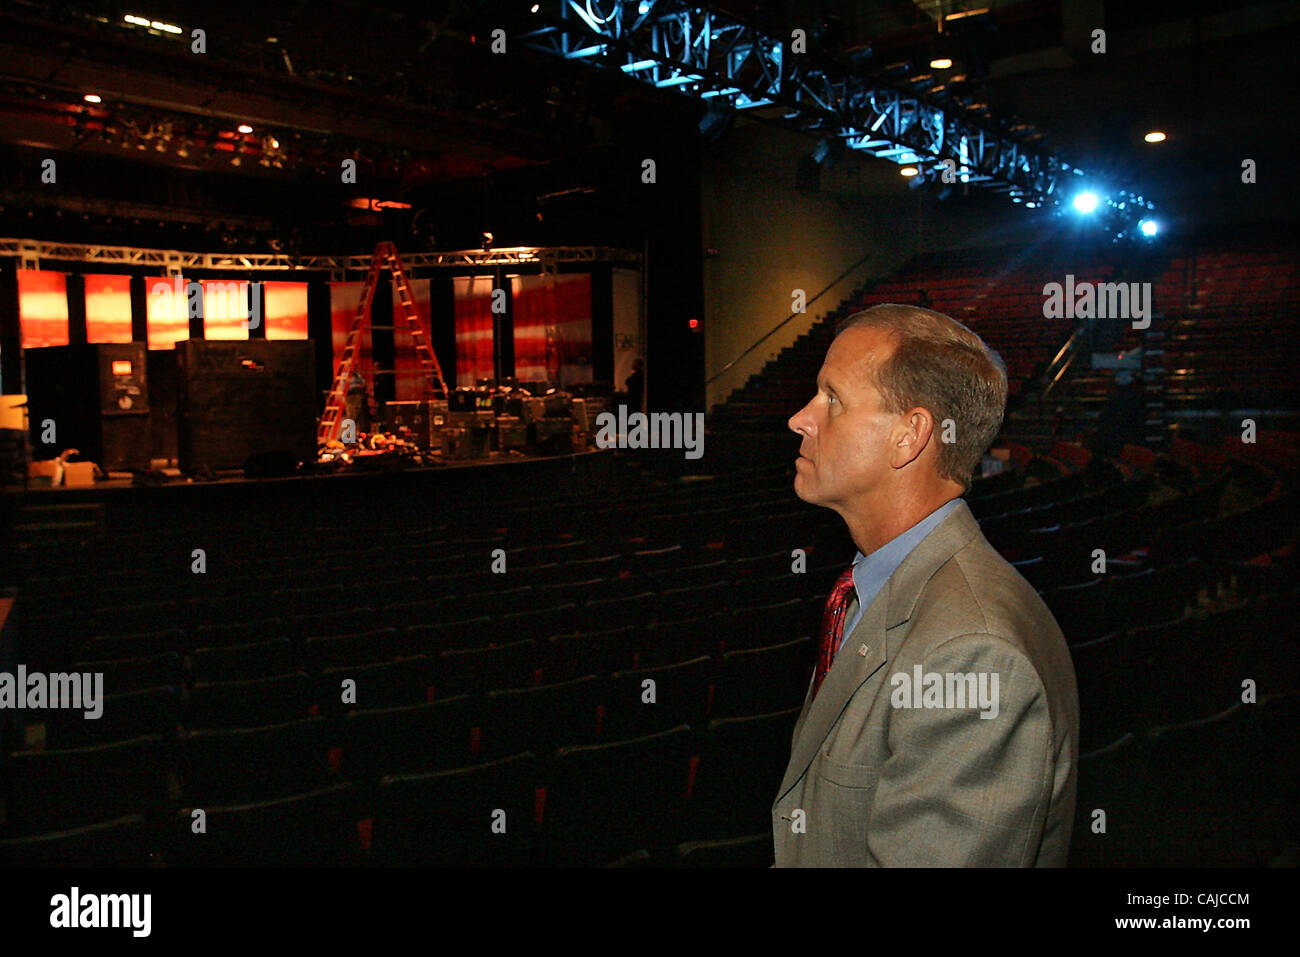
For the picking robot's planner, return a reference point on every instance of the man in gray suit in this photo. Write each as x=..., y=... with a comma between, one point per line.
x=942, y=725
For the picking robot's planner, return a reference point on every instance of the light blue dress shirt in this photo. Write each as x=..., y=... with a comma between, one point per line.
x=870, y=572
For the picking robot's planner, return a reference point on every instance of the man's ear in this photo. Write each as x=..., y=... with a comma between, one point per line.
x=911, y=435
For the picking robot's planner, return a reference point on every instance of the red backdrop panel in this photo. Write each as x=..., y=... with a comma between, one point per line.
x=473, y=328
x=344, y=297
x=108, y=308
x=167, y=312
x=411, y=383
x=552, y=328
x=42, y=308
x=284, y=310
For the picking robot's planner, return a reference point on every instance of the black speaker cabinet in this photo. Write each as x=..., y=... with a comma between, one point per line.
x=97, y=397
x=163, y=400
x=245, y=399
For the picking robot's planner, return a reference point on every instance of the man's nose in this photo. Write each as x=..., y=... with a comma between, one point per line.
x=800, y=422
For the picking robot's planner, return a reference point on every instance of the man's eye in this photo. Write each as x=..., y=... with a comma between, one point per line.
x=831, y=398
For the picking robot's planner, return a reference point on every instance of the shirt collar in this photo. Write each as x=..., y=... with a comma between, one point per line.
x=870, y=572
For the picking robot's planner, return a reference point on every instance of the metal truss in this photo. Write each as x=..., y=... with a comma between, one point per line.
x=30, y=253
x=713, y=56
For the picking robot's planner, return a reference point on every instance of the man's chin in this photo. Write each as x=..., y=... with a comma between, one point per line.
x=803, y=492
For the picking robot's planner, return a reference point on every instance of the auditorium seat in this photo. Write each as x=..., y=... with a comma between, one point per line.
x=739, y=773
x=104, y=647
x=1273, y=622
x=1172, y=667
x=251, y=702
x=357, y=648
x=418, y=612
x=782, y=620
x=271, y=656
x=695, y=599
x=761, y=680
x=512, y=664
x=536, y=624
x=236, y=632
x=591, y=652
x=566, y=590
x=499, y=599
x=1220, y=790
x=146, y=616
x=749, y=850
x=421, y=737
x=133, y=674
x=1111, y=781
x=121, y=842
x=435, y=638
x=1081, y=610
x=132, y=714
x=675, y=639
x=605, y=613
x=604, y=800
x=313, y=828
x=54, y=790
x=227, y=766
x=477, y=816
x=1147, y=596
x=384, y=684
x=250, y=605
x=1106, y=688
x=539, y=718
x=339, y=621
x=680, y=696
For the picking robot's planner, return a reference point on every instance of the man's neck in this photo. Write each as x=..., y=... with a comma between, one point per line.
x=870, y=528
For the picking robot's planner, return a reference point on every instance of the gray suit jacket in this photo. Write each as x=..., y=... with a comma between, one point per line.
x=875, y=782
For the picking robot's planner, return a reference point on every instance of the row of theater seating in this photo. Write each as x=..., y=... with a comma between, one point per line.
x=587, y=673
x=578, y=804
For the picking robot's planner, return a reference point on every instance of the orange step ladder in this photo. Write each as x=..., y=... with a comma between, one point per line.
x=331, y=419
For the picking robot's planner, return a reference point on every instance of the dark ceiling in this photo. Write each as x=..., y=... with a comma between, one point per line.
x=413, y=95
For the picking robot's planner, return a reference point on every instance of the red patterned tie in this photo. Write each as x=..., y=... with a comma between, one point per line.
x=832, y=626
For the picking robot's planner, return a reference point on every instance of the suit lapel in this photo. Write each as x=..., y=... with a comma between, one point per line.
x=850, y=668
x=893, y=606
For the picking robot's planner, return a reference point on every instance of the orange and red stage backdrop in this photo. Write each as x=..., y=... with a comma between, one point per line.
x=411, y=383
x=474, y=339
x=552, y=328
x=344, y=297
x=167, y=311
x=108, y=308
x=42, y=308
x=285, y=310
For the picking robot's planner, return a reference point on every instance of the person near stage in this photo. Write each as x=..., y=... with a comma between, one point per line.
x=357, y=408
x=636, y=386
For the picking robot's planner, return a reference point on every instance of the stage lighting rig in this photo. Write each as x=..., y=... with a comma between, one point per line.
x=706, y=53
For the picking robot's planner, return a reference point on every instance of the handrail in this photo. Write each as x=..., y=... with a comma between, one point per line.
x=755, y=344
x=1065, y=367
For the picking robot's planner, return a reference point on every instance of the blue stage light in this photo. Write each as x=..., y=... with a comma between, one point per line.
x=1149, y=227
x=1086, y=202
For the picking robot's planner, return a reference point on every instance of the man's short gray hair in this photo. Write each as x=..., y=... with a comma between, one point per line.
x=941, y=366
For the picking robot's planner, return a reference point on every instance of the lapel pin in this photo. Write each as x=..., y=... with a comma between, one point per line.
x=863, y=651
